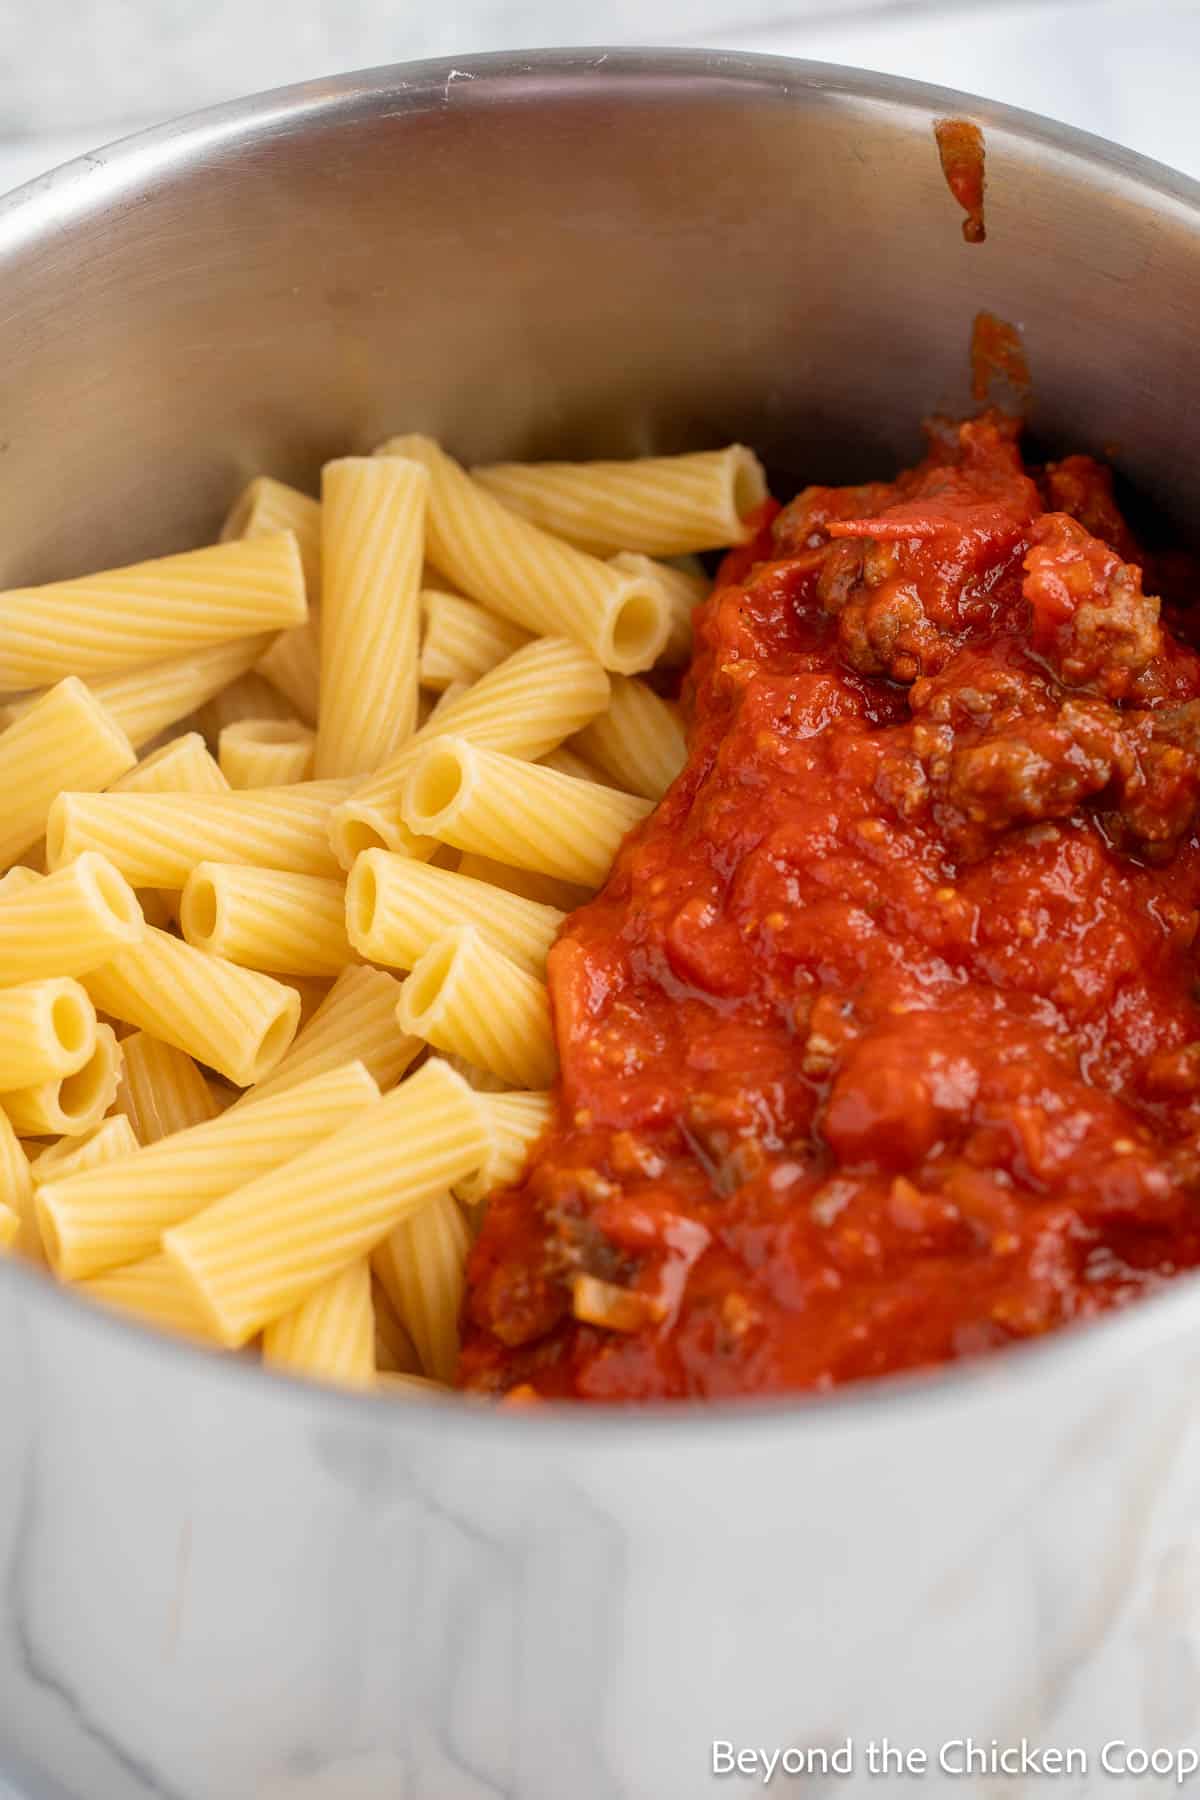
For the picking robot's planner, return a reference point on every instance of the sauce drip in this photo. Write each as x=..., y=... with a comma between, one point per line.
x=961, y=149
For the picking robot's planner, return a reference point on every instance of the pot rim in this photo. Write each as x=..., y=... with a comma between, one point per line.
x=65, y=198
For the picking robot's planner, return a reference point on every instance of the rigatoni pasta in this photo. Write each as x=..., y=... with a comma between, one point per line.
x=639, y=741
x=372, y=550
x=69, y=1105
x=185, y=765
x=118, y=1213
x=682, y=590
x=266, y=506
x=357, y=1019
x=149, y=611
x=267, y=919
x=153, y=1291
x=112, y=1138
x=16, y=1192
x=467, y=997
x=65, y=740
x=162, y=1089
x=255, y=1255
x=421, y=1265
x=150, y=699
x=660, y=505
x=395, y=908
x=524, y=574
x=10, y=1227
x=258, y=753
x=47, y=1030
x=462, y=640
x=67, y=923
x=514, y=1123
x=330, y=1335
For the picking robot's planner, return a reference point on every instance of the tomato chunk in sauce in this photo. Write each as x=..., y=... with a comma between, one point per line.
x=881, y=1045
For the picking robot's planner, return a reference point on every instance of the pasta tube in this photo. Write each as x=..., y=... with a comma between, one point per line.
x=16, y=1191
x=396, y=907
x=330, y=1335
x=184, y=766
x=147, y=701
x=639, y=741
x=254, y=1256
x=357, y=1019
x=372, y=548
x=67, y=923
x=682, y=592
x=123, y=618
x=154, y=1292
x=538, y=581
x=517, y=812
x=156, y=840
x=421, y=1265
x=515, y=1122
x=258, y=753
x=292, y=664
x=394, y=1349
x=267, y=919
x=461, y=640
x=162, y=1091
x=47, y=1030
x=10, y=1227
x=111, y=1138
x=661, y=505
x=525, y=705
x=466, y=997
x=117, y=1213
x=565, y=895
x=266, y=506
x=69, y=1105
x=236, y=1021
x=66, y=739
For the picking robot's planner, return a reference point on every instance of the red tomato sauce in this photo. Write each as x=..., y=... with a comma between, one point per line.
x=961, y=150
x=881, y=1045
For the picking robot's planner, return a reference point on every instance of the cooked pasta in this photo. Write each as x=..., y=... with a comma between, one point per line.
x=462, y=640
x=69, y=1105
x=292, y=664
x=537, y=581
x=467, y=997
x=153, y=1291
x=123, y=618
x=111, y=1138
x=16, y=1192
x=237, y=1021
x=256, y=1254
x=661, y=505
x=251, y=696
x=357, y=1019
x=421, y=1265
x=515, y=1122
x=395, y=908
x=66, y=740
x=639, y=741
x=156, y=840
x=330, y=1335
x=149, y=700
x=682, y=591
x=312, y=990
x=118, y=1213
x=267, y=918
x=569, y=762
x=10, y=1227
x=258, y=753
x=47, y=1030
x=162, y=1090
x=266, y=506
x=565, y=895
x=372, y=548
x=182, y=766
x=67, y=923
x=395, y=1351
x=526, y=705
x=517, y=812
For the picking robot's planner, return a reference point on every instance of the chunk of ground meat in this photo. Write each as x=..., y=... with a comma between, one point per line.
x=1091, y=619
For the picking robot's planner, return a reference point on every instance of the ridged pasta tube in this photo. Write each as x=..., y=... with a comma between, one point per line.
x=661, y=505
x=156, y=840
x=515, y=1122
x=467, y=997
x=526, y=705
x=372, y=550
x=66, y=739
x=69, y=1105
x=565, y=895
x=162, y=1090
x=124, y=618
x=251, y=696
x=106, y=1142
x=236, y=1021
x=149, y=700
x=267, y=919
x=266, y=506
x=117, y=1213
x=538, y=581
x=396, y=907
x=184, y=766
x=639, y=741
x=462, y=640
x=66, y=923
x=422, y=1265
x=517, y=812
x=682, y=592
x=16, y=1191
x=254, y=1256
x=292, y=664
x=330, y=1336
x=394, y=1349
x=47, y=1030
x=10, y=1228
x=357, y=1018
x=153, y=1292
x=265, y=753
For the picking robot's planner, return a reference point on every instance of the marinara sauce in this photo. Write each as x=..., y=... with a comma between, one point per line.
x=881, y=1045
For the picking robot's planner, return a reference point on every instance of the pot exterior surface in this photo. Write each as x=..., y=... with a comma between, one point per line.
x=219, y=1585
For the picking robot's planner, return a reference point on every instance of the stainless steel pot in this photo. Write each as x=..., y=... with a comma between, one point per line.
x=218, y=1584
